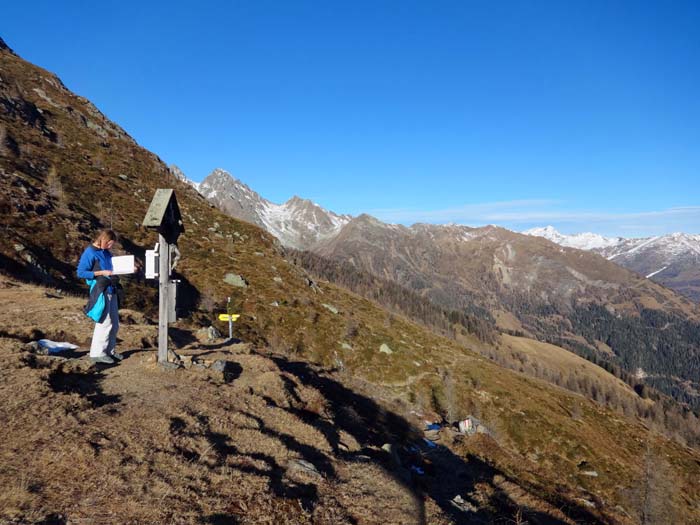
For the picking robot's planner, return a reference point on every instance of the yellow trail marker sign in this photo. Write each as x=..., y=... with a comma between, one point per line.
x=229, y=317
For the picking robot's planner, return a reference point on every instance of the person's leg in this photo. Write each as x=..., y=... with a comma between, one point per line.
x=114, y=315
x=101, y=335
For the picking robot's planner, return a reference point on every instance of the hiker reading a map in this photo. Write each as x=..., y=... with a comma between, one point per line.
x=96, y=268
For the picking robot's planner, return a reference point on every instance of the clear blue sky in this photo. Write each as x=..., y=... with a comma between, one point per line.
x=581, y=114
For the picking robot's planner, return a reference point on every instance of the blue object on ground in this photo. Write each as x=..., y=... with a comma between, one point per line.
x=433, y=426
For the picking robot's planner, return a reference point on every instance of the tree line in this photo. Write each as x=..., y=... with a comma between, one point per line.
x=659, y=411
x=396, y=298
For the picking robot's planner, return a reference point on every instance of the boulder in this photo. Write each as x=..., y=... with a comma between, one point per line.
x=331, y=308
x=208, y=334
x=235, y=280
x=306, y=467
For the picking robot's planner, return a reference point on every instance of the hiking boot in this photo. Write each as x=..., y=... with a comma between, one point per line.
x=103, y=359
x=116, y=356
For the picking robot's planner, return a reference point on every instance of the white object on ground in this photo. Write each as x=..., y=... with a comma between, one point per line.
x=470, y=425
x=55, y=348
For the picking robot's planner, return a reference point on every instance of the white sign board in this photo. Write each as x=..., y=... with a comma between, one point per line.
x=123, y=264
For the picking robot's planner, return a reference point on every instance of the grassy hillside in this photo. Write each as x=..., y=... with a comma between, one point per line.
x=194, y=445
x=568, y=297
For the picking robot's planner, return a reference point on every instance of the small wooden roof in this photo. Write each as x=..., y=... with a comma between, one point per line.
x=164, y=214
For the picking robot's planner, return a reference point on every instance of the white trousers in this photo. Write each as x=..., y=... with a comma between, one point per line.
x=104, y=338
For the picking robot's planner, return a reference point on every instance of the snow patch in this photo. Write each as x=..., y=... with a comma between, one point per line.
x=581, y=241
x=652, y=274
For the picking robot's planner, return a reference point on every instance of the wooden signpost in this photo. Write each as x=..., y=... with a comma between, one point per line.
x=164, y=216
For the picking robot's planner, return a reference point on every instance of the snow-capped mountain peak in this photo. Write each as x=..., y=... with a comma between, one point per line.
x=297, y=223
x=179, y=174
x=672, y=260
x=581, y=241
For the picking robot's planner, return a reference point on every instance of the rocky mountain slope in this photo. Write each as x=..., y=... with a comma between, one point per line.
x=536, y=287
x=520, y=283
x=672, y=260
x=294, y=422
x=180, y=175
x=298, y=223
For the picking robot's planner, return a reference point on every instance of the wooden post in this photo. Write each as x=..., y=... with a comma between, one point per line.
x=163, y=288
x=164, y=216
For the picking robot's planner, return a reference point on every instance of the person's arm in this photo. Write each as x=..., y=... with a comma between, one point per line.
x=87, y=260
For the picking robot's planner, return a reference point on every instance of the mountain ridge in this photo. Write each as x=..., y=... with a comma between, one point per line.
x=298, y=223
x=545, y=288
x=304, y=225
x=672, y=259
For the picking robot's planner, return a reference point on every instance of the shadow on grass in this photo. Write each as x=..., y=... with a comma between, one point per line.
x=231, y=371
x=217, y=346
x=446, y=475
x=425, y=471
x=219, y=519
x=128, y=353
x=220, y=444
x=180, y=337
x=53, y=519
x=86, y=384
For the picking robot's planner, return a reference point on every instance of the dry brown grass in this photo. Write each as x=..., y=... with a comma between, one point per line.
x=137, y=444
x=559, y=360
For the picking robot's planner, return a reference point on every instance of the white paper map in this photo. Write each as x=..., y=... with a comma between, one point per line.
x=123, y=264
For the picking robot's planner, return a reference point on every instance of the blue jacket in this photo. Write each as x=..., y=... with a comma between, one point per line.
x=93, y=260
